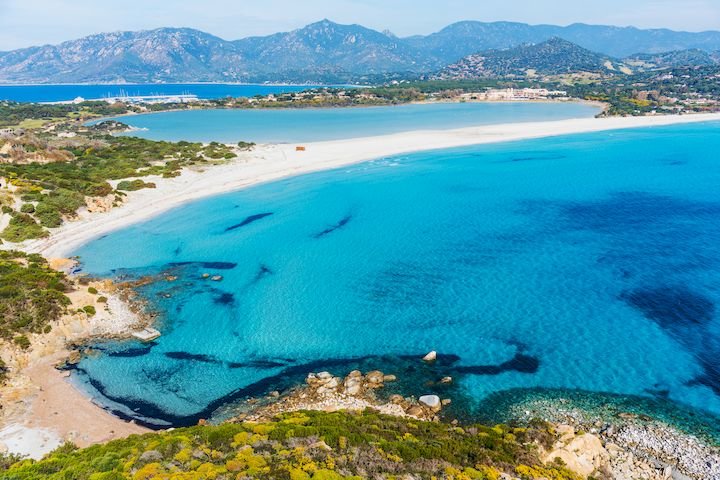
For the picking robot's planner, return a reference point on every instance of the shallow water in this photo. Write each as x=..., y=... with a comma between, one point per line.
x=585, y=262
x=311, y=125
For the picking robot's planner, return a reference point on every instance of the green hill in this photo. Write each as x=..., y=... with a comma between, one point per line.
x=553, y=57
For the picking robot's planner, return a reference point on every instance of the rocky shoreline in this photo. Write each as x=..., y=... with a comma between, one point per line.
x=40, y=409
x=627, y=447
x=635, y=442
x=632, y=448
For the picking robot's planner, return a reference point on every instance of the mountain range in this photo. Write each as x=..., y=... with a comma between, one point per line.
x=321, y=52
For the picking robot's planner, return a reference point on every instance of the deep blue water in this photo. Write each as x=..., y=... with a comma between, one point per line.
x=585, y=262
x=308, y=125
x=61, y=93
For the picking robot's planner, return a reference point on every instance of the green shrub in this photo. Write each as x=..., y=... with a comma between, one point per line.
x=90, y=310
x=48, y=215
x=3, y=372
x=134, y=185
x=31, y=294
x=27, y=208
x=22, y=341
x=92, y=291
x=102, y=299
x=278, y=450
x=23, y=227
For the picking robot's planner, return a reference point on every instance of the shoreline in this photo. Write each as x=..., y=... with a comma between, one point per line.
x=42, y=406
x=271, y=162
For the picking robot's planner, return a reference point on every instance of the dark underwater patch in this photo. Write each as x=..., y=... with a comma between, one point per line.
x=154, y=417
x=537, y=157
x=208, y=265
x=133, y=352
x=152, y=414
x=685, y=315
x=520, y=363
x=636, y=210
x=671, y=306
x=248, y=221
x=263, y=271
x=260, y=364
x=344, y=221
x=225, y=298
x=194, y=357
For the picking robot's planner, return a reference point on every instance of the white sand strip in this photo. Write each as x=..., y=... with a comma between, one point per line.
x=272, y=162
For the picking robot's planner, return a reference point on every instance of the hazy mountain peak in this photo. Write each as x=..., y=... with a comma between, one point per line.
x=321, y=51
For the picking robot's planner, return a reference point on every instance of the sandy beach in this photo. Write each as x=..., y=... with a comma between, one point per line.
x=41, y=408
x=271, y=162
x=46, y=409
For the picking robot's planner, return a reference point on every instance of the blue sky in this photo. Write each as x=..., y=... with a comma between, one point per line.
x=33, y=22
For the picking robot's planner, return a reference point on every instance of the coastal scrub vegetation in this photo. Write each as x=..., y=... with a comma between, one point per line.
x=304, y=446
x=31, y=296
x=53, y=190
x=14, y=114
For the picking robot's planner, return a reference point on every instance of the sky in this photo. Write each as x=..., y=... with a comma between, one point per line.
x=25, y=23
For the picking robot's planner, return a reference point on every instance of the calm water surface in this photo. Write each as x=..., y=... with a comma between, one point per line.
x=309, y=125
x=61, y=93
x=587, y=262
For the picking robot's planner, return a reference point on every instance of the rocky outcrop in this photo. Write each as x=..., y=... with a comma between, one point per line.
x=583, y=454
x=101, y=204
x=634, y=451
x=356, y=391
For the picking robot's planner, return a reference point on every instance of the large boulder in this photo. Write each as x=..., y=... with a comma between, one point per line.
x=353, y=384
x=328, y=386
x=432, y=402
x=430, y=357
x=374, y=379
x=582, y=454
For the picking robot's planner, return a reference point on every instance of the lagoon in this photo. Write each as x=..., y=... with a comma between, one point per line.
x=312, y=125
x=583, y=263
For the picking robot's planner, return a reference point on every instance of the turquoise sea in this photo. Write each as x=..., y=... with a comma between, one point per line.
x=310, y=125
x=583, y=263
